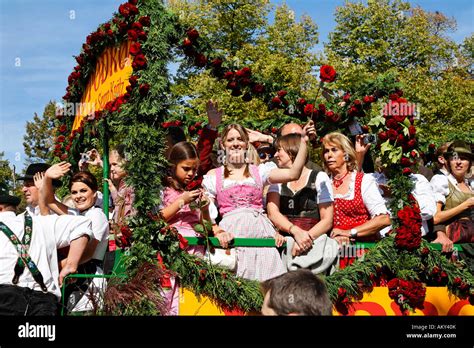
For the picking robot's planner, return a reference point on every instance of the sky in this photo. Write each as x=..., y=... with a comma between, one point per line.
x=38, y=39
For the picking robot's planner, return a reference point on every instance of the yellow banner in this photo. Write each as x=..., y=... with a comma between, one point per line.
x=108, y=81
x=437, y=303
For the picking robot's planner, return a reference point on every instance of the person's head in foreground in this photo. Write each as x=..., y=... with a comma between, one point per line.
x=296, y=293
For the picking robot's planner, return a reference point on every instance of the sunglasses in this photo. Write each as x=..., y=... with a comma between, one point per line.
x=265, y=155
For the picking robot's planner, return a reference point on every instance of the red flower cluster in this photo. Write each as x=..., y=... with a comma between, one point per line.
x=172, y=124
x=327, y=73
x=144, y=89
x=439, y=276
x=195, y=129
x=114, y=105
x=139, y=62
x=408, y=294
x=408, y=234
x=195, y=184
x=128, y=9
x=464, y=290
x=342, y=302
x=126, y=234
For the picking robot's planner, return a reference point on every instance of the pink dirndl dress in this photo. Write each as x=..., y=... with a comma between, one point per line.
x=241, y=208
x=183, y=221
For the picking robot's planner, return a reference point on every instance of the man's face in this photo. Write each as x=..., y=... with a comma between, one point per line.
x=266, y=309
x=31, y=193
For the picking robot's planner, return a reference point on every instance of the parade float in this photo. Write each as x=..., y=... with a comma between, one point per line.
x=120, y=92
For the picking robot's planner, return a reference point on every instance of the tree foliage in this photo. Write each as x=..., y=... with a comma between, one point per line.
x=279, y=51
x=38, y=140
x=390, y=35
x=5, y=172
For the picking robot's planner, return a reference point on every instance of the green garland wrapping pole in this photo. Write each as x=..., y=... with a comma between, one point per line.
x=157, y=251
x=106, y=168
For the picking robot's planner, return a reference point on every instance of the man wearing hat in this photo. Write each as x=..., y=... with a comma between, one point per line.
x=29, y=189
x=7, y=201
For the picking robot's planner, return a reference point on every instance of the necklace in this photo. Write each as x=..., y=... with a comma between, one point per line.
x=338, y=182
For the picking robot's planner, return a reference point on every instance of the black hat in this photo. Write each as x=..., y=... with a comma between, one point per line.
x=459, y=148
x=6, y=198
x=38, y=168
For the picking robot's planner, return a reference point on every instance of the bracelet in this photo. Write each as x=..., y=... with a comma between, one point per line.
x=211, y=127
x=289, y=229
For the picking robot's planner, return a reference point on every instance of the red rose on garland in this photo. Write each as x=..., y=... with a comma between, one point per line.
x=137, y=26
x=342, y=302
x=282, y=93
x=217, y=63
x=258, y=88
x=128, y=10
x=327, y=73
x=244, y=72
x=144, y=89
x=139, y=62
x=145, y=21
x=135, y=48
x=308, y=109
x=192, y=34
x=132, y=35
x=200, y=60
x=408, y=294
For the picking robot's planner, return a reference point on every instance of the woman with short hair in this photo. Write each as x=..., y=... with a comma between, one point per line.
x=359, y=209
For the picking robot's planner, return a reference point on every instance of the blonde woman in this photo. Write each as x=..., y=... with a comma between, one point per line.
x=359, y=209
x=237, y=189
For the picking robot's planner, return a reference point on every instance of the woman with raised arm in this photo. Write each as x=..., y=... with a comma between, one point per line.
x=236, y=188
x=83, y=189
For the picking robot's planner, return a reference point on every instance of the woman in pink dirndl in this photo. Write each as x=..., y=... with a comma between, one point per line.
x=237, y=189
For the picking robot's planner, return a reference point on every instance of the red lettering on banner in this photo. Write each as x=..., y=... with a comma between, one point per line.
x=430, y=309
x=371, y=307
x=237, y=312
x=105, y=65
x=395, y=308
x=456, y=308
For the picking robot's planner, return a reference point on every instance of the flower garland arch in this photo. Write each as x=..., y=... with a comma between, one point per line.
x=402, y=260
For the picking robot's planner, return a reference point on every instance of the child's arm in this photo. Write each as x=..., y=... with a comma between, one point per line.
x=282, y=175
x=187, y=197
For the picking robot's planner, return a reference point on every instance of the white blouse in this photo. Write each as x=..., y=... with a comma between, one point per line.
x=440, y=185
x=371, y=196
x=322, y=184
x=100, y=230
